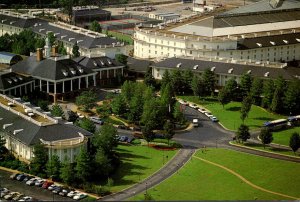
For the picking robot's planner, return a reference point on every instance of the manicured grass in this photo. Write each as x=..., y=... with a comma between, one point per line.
x=283, y=137
x=271, y=149
x=198, y=180
x=138, y=163
x=230, y=115
x=122, y=37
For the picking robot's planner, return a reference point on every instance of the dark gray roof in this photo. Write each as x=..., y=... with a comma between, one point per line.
x=264, y=5
x=87, y=12
x=137, y=65
x=32, y=133
x=97, y=62
x=9, y=80
x=248, y=19
x=289, y=73
x=269, y=41
x=50, y=69
x=42, y=27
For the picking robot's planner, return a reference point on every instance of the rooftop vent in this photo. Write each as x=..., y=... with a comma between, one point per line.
x=273, y=43
x=249, y=71
x=7, y=125
x=285, y=41
x=17, y=131
x=230, y=71
x=212, y=69
x=267, y=74
x=195, y=67
x=178, y=65
x=259, y=44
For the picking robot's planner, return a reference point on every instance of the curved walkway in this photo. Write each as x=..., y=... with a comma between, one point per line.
x=245, y=180
x=165, y=172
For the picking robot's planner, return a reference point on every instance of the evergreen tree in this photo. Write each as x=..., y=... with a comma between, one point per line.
x=40, y=43
x=209, y=82
x=75, y=50
x=122, y=59
x=256, y=90
x=51, y=38
x=106, y=139
x=2, y=145
x=176, y=81
x=246, y=107
x=197, y=86
x=57, y=111
x=187, y=77
x=148, y=134
x=87, y=124
x=86, y=100
x=278, y=97
x=118, y=105
x=292, y=97
x=83, y=166
x=266, y=136
x=149, y=79
x=166, y=79
x=295, y=142
x=243, y=133
x=224, y=97
x=95, y=26
x=67, y=173
x=169, y=131
x=178, y=115
x=167, y=100
x=61, y=49
x=102, y=163
x=128, y=90
x=245, y=84
x=268, y=93
x=38, y=163
x=231, y=87
x=53, y=167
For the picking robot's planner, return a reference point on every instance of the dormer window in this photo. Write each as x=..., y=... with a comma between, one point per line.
x=212, y=69
x=73, y=71
x=273, y=43
x=109, y=62
x=65, y=73
x=102, y=63
x=285, y=41
x=15, y=79
x=80, y=69
x=249, y=71
x=195, y=67
x=298, y=40
x=178, y=65
x=267, y=74
x=259, y=44
x=230, y=71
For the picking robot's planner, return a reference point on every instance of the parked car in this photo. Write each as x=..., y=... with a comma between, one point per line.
x=57, y=190
x=10, y=195
x=26, y=198
x=47, y=184
x=183, y=102
x=18, y=197
x=79, y=196
x=51, y=187
x=71, y=194
x=14, y=176
x=208, y=114
x=27, y=178
x=97, y=120
x=20, y=177
x=122, y=127
x=64, y=192
x=202, y=110
x=214, y=119
x=123, y=138
x=129, y=140
x=194, y=106
x=39, y=183
x=3, y=192
x=31, y=182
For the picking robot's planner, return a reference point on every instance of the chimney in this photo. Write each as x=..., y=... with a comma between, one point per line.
x=54, y=50
x=39, y=54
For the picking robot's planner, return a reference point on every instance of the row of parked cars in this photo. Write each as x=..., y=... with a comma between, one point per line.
x=13, y=196
x=203, y=111
x=47, y=184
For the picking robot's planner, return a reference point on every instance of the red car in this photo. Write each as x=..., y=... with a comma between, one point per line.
x=47, y=184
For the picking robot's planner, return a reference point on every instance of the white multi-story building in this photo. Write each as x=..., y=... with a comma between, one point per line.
x=89, y=42
x=259, y=32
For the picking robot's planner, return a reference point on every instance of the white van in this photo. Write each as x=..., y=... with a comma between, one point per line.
x=195, y=123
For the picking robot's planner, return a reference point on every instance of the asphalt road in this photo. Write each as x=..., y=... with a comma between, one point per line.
x=33, y=191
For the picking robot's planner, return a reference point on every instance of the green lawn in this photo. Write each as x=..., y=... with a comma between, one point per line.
x=123, y=37
x=138, y=163
x=271, y=149
x=199, y=180
x=283, y=137
x=230, y=115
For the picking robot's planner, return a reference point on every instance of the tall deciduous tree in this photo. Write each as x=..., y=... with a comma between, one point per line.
x=176, y=81
x=169, y=131
x=243, y=133
x=256, y=90
x=224, y=97
x=245, y=84
x=83, y=166
x=86, y=100
x=167, y=100
x=152, y=115
x=38, y=163
x=118, y=105
x=292, y=97
x=266, y=136
x=75, y=50
x=53, y=167
x=209, y=82
x=295, y=141
x=87, y=124
x=268, y=93
x=102, y=163
x=197, y=86
x=278, y=97
x=95, y=26
x=187, y=77
x=149, y=79
x=128, y=90
x=67, y=173
x=106, y=138
x=246, y=107
x=231, y=87
x=148, y=134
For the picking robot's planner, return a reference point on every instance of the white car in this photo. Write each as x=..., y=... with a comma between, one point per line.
x=39, y=182
x=31, y=181
x=183, y=102
x=79, y=196
x=208, y=114
x=51, y=187
x=97, y=120
x=214, y=119
x=71, y=194
x=202, y=110
x=194, y=106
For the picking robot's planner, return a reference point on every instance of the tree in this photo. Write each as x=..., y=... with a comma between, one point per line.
x=51, y=38
x=136, y=107
x=245, y=84
x=127, y=90
x=75, y=50
x=246, y=107
x=102, y=163
x=187, y=77
x=38, y=163
x=292, y=97
x=2, y=145
x=276, y=101
x=278, y=96
x=176, y=81
x=231, y=87
x=95, y=26
x=118, y=105
x=266, y=136
x=86, y=100
x=167, y=100
x=256, y=90
x=122, y=58
x=152, y=114
x=83, y=165
x=87, y=124
x=169, y=131
x=243, y=133
x=61, y=49
x=43, y=104
x=53, y=167
x=40, y=43
x=209, y=82
x=106, y=138
x=295, y=141
x=67, y=173
x=166, y=79
x=268, y=93
x=178, y=115
x=57, y=111
x=67, y=6
x=149, y=79
x=148, y=134
x=197, y=86
x=224, y=97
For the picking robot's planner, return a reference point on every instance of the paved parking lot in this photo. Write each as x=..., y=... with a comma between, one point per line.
x=33, y=191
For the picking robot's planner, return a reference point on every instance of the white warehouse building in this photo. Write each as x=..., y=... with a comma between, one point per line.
x=256, y=32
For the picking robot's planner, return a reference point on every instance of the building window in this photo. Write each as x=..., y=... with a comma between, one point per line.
x=204, y=46
x=65, y=151
x=192, y=45
x=218, y=47
x=157, y=74
x=191, y=52
x=218, y=53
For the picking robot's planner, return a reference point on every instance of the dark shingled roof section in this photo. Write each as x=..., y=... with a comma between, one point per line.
x=32, y=133
x=92, y=11
x=49, y=68
x=265, y=41
x=223, y=68
x=137, y=65
x=7, y=80
x=41, y=27
x=95, y=63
